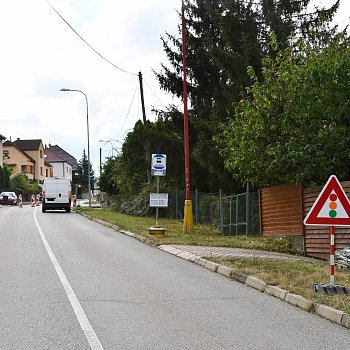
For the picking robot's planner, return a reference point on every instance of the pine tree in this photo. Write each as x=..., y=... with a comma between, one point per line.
x=224, y=37
x=83, y=171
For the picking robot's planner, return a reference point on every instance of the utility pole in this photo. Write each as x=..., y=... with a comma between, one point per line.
x=147, y=145
x=188, y=212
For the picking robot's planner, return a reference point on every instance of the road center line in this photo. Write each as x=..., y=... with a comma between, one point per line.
x=85, y=325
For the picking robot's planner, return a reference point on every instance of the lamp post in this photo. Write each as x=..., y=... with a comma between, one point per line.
x=88, y=140
x=110, y=141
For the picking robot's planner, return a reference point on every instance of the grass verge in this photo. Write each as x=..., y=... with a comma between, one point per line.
x=203, y=235
x=296, y=277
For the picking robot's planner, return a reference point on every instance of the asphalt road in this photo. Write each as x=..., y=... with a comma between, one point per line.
x=69, y=283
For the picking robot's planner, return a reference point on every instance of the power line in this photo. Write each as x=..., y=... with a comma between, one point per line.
x=105, y=59
x=132, y=101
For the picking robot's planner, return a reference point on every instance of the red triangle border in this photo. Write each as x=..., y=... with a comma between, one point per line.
x=331, y=185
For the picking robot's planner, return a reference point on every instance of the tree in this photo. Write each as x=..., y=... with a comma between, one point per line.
x=294, y=126
x=223, y=38
x=21, y=182
x=83, y=172
x=5, y=177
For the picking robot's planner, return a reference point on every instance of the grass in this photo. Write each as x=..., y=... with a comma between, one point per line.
x=296, y=277
x=203, y=235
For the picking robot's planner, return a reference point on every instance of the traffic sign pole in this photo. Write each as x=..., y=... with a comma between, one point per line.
x=331, y=256
x=331, y=208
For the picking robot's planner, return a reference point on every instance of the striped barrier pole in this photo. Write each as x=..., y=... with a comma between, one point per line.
x=20, y=201
x=33, y=200
x=331, y=257
x=37, y=199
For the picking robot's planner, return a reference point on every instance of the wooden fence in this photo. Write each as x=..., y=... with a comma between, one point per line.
x=283, y=209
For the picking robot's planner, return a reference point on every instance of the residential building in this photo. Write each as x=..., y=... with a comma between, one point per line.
x=2, y=138
x=63, y=164
x=27, y=157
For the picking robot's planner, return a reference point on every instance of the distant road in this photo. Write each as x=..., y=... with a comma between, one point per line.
x=69, y=283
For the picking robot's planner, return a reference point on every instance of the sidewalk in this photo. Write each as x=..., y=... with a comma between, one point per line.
x=223, y=253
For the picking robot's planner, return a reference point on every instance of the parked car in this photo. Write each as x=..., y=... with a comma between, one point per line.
x=8, y=198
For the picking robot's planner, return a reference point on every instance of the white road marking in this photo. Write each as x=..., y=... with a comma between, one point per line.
x=85, y=325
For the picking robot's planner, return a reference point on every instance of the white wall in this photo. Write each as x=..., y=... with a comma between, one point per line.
x=62, y=170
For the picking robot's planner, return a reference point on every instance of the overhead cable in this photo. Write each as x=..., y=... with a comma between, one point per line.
x=105, y=59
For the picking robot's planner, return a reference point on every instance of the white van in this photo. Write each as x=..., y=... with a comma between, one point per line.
x=56, y=194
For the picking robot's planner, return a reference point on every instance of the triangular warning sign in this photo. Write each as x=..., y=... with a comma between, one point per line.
x=332, y=206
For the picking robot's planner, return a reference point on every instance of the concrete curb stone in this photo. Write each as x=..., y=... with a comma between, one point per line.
x=211, y=266
x=202, y=262
x=346, y=321
x=196, y=259
x=330, y=313
x=256, y=283
x=239, y=277
x=225, y=271
x=321, y=310
x=276, y=292
x=298, y=300
x=186, y=255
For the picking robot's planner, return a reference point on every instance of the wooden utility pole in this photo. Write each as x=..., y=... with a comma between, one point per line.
x=147, y=145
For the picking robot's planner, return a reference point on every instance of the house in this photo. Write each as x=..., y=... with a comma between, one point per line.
x=2, y=138
x=63, y=164
x=27, y=157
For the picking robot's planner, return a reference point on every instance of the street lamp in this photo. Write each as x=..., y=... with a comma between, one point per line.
x=110, y=141
x=88, y=140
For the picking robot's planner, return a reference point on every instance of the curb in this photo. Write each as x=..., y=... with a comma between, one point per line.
x=327, y=312
x=321, y=310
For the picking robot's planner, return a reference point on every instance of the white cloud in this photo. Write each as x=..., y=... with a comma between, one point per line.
x=40, y=55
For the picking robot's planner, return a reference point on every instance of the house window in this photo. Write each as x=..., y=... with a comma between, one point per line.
x=46, y=172
x=23, y=169
x=41, y=170
x=41, y=153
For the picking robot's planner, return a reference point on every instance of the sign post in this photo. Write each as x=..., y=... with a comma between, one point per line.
x=157, y=200
x=331, y=208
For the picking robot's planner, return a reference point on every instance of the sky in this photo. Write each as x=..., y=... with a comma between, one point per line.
x=40, y=54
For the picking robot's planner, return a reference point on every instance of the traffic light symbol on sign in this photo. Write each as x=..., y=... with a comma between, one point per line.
x=333, y=205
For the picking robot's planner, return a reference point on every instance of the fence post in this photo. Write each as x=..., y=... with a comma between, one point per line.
x=221, y=213
x=196, y=203
x=247, y=210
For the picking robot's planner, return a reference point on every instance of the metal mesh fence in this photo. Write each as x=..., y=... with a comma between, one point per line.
x=240, y=215
x=234, y=215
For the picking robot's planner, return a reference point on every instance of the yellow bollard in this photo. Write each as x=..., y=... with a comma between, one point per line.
x=188, y=217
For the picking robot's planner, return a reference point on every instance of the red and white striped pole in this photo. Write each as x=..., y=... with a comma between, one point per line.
x=20, y=201
x=331, y=257
x=33, y=200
